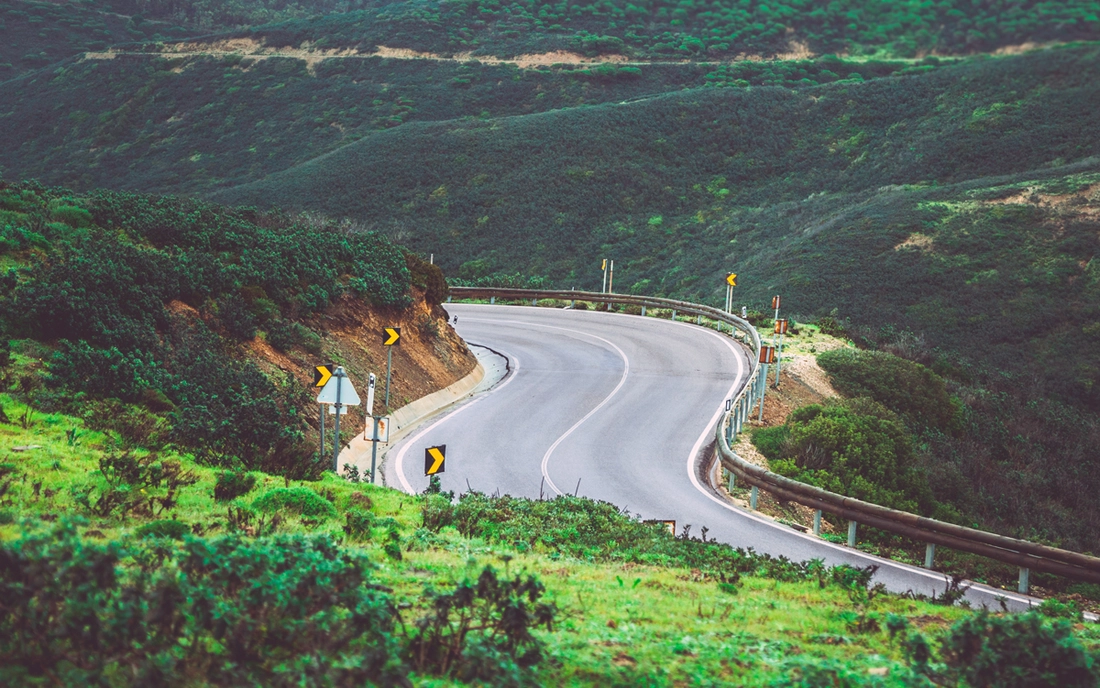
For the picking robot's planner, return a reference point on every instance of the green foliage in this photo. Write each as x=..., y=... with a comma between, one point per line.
x=429, y=278
x=1017, y=650
x=224, y=611
x=481, y=631
x=857, y=448
x=297, y=500
x=233, y=484
x=164, y=528
x=599, y=531
x=906, y=388
x=358, y=524
x=146, y=304
x=130, y=485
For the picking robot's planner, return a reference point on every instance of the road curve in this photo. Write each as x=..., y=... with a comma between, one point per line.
x=618, y=408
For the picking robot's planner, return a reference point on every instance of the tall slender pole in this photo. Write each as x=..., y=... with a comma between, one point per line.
x=322, y=452
x=336, y=432
x=603, y=289
x=763, y=389
x=611, y=279
x=778, y=361
x=389, y=366
x=374, y=451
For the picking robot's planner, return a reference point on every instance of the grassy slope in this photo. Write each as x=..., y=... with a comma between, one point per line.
x=621, y=624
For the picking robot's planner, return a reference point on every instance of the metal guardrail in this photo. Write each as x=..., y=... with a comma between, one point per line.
x=1026, y=555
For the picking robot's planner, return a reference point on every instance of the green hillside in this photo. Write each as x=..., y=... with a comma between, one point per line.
x=693, y=29
x=806, y=191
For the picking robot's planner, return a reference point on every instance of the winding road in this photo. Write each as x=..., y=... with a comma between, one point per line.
x=618, y=408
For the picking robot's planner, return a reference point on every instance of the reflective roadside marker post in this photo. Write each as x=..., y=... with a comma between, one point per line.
x=781, y=326
x=390, y=336
x=767, y=356
x=775, y=305
x=603, y=288
x=371, y=381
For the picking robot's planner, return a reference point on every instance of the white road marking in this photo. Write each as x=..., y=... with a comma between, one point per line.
x=399, y=462
x=710, y=430
x=622, y=380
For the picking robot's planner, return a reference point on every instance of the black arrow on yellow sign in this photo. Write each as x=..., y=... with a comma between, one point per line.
x=434, y=457
x=321, y=374
x=390, y=336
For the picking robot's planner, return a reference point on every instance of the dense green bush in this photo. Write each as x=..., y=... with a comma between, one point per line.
x=223, y=611
x=163, y=528
x=233, y=484
x=296, y=500
x=1018, y=651
x=906, y=388
x=857, y=448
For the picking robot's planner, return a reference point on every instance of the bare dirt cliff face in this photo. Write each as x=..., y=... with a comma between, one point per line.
x=429, y=356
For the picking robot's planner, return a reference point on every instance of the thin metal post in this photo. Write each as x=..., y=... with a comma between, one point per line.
x=448, y=299
x=851, y=533
x=673, y=314
x=763, y=390
x=611, y=281
x=374, y=451
x=1024, y=575
x=817, y=522
x=322, y=452
x=534, y=302
x=929, y=554
x=752, y=497
x=643, y=311
x=698, y=320
x=492, y=300
x=778, y=361
x=336, y=432
x=389, y=365
x=603, y=288
x=733, y=481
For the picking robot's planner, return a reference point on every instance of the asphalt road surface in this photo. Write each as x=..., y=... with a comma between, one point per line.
x=618, y=408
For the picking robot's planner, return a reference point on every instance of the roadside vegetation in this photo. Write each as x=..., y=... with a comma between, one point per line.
x=354, y=582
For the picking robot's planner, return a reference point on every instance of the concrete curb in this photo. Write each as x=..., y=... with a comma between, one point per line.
x=404, y=419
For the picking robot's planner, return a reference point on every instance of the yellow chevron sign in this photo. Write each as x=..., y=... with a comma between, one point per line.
x=390, y=335
x=321, y=374
x=434, y=458
x=731, y=279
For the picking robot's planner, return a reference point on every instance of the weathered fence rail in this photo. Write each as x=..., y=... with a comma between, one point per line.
x=1028, y=556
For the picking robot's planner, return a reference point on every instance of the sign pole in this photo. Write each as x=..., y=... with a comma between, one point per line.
x=389, y=365
x=374, y=451
x=336, y=439
x=763, y=389
x=603, y=289
x=322, y=452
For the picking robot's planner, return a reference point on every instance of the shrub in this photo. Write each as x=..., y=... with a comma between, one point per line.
x=358, y=525
x=907, y=388
x=1017, y=651
x=233, y=484
x=228, y=611
x=166, y=528
x=857, y=448
x=297, y=500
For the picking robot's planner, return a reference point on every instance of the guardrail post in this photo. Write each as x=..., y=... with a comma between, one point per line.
x=674, y=315
x=1024, y=575
x=643, y=311
x=573, y=303
x=448, y=299
x=733, y=481
x=534, y=302
x=929, y=554
x=492, y=300
x=698, y=320
x=817, y=522
x=752, y=497
x=851, y=533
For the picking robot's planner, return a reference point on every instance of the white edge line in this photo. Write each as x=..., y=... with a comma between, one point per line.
x=711, y=425
x=400, y=459
x=848, y=551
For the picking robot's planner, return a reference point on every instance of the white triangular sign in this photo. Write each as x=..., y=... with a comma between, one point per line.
x=348, y=395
